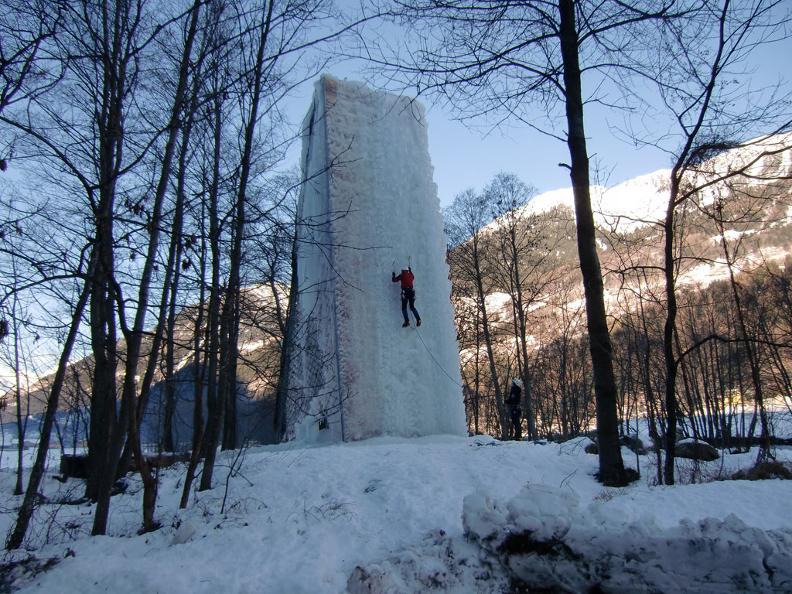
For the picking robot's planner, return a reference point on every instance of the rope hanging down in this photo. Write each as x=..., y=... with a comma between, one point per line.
x=440, y=367
x=436, y=362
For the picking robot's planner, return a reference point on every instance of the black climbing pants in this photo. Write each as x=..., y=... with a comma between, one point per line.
x=516, y=419
x=408, y=296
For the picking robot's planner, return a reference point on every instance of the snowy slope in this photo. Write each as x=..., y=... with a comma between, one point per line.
x=628, y=205
x=301, y=519
x=644, y=199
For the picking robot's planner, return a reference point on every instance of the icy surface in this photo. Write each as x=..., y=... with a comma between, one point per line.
x=369, y=208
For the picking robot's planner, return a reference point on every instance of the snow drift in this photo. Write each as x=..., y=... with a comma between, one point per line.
x=543, y=540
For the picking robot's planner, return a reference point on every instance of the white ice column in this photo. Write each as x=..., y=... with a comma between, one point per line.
x=368, y=207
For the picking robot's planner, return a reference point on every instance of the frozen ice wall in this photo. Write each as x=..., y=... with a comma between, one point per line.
x=369, y=207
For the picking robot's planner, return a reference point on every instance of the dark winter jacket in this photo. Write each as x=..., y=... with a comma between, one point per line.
x=514, y=396
x=406, y=277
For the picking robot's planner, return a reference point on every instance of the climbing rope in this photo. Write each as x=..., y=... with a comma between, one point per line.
x=436, y=362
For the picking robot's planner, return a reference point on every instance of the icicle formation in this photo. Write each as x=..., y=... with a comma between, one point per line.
x=369, y=207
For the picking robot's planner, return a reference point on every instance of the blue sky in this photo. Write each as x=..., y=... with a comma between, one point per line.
x=465, y=157
x=469, y=155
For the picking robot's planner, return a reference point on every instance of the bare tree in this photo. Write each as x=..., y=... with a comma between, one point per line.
x=17, y=535
x=465, y=221
x=501, y=59
x=25, y=67
x=525, y=266
x=229, y=317
x=694, y=78
x=134, y=335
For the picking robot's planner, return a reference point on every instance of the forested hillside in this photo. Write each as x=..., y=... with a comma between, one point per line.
x=747, y=232
x=518, y=295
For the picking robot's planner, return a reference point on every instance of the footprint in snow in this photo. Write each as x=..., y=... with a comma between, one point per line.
x=373, y=485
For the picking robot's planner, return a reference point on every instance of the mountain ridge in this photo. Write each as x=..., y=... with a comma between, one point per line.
x=643, y=199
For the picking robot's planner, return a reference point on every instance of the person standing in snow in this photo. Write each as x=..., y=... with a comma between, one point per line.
x=513, y=401
x=407, y=294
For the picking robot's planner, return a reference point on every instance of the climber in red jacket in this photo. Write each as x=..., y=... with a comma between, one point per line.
x=407, y=295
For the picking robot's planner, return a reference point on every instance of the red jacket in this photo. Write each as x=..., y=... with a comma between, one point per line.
x=406, y=277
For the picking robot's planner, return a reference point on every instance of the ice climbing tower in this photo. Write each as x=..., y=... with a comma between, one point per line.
x=368, y=206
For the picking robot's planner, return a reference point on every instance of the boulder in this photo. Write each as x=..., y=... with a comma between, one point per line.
x=74, y=465
x=634, y=443
x=765, y=471
x=696, y=450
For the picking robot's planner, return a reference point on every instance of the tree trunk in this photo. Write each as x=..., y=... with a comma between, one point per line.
x=765, y=448
x=282, y=396
x=128, y=419
x=210, y=436
x=611, y=466
x=106, y=434
x=668, y=336
x=21, y=417
x=231, y=307
x=481, y=297
x=199, y=375
x=522, y=337
x=17, y=536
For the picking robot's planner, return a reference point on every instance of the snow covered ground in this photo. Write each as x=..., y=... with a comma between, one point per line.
x=391, y=514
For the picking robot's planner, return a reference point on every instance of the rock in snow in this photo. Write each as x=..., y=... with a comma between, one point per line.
x=183, y=533
x=695, y=450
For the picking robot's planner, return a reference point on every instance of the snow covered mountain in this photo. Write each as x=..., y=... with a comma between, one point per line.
x=643, y=200
x=756, y=208
x=630, y=204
